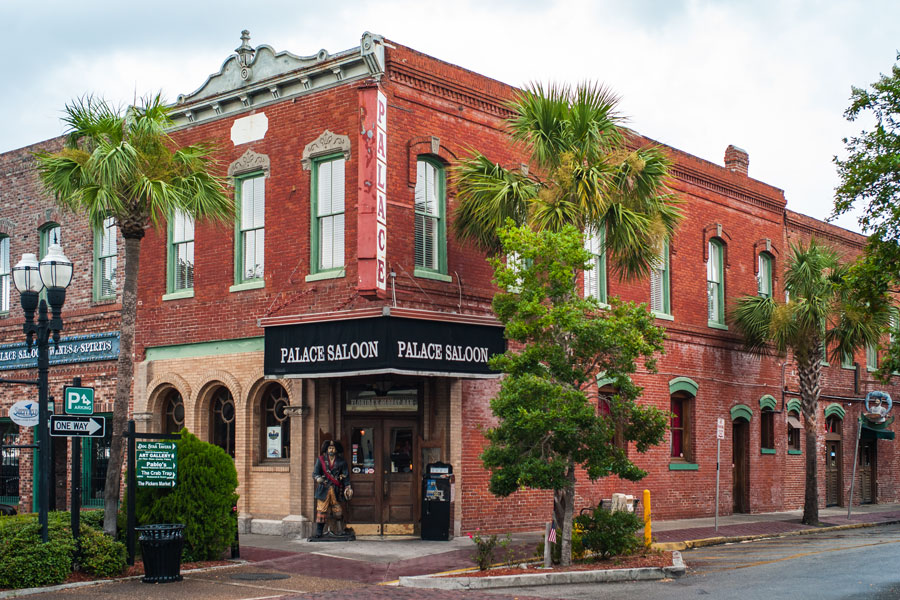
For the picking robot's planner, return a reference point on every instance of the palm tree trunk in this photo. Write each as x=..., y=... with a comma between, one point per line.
x=809, y=369
x=124, y=380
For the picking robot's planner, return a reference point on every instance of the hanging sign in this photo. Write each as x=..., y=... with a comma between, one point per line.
x=24, y=413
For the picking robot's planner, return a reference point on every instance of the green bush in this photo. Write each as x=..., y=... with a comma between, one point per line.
x=202, y=499
x=609, y=533
x=100, y=554
x=25, y=561
x=92, y=518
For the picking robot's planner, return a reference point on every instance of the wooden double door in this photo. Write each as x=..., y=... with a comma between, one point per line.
x=385, y=473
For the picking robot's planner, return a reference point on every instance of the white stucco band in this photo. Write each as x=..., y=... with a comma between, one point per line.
x=249, y=129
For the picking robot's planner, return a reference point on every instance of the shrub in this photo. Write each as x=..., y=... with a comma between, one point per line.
x=100, y=554
x=610, y=533
x=202, y=499
x=484, y=550
x=25, y=561
x=92, y=518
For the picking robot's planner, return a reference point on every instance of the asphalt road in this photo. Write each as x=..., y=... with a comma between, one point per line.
x=854, y=564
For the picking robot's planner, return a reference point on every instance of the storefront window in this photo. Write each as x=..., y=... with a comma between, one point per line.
x=9, y=463
x=95, y=460
x=173, y=418
x=222, y=421
x=276, y=426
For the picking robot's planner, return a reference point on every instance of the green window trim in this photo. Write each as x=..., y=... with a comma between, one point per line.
x=764, y=275
x=715, y=284
x=595, y=279
x=104, y=260
x=660, y=301
x=795, y=452
x=741, y=411
x=87, y=466
x=871, y=358
x=179, y=247
x=48, y=233
x=683, y=384
x=683, y=466
x=795, y=406
x=767, y=451
x=240, y=274
x=835, y=409
x=426, y=274
x=5, y=275
x=846, y=361
x=767, y=402
x=437, y=217
x=335, y=216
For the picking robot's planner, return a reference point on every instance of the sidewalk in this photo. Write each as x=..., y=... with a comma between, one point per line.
x=383, y=560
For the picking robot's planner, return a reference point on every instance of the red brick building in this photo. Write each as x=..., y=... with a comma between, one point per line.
x=29, y=222
x=338, y=306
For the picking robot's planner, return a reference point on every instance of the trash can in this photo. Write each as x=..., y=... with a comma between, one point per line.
x=436, y=491
x=161, y=547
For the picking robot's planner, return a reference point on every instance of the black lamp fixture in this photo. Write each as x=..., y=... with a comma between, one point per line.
x=54, y=272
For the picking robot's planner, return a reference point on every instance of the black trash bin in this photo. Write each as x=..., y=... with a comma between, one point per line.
x=161, y=547
x=436, y=501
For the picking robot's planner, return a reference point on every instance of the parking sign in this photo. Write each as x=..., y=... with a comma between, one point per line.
x=79, y=400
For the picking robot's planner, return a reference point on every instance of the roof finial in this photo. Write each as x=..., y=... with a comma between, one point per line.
x=245, y=54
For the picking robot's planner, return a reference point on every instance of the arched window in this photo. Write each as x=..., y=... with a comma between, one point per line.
x=793, y=430
x=715, y=284
x=430, y=226
x=222, y=414
x=49, y=235
x=173, y=412
x=680, y=426
x=764, y=275
x=275, y=432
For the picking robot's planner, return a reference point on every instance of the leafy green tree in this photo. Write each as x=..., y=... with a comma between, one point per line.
x=123, y=164
x=870, y=180
x=587, y=175
x=548, y=427
x=824, y=310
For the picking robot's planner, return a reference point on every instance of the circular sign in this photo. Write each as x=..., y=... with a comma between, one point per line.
x=24, y=413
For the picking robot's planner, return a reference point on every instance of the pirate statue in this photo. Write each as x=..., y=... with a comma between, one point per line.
x=332, y=479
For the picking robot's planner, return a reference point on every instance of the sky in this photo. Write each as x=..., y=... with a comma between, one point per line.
x=771, y=77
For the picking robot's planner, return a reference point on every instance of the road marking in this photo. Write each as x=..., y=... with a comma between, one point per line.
x=801, y=555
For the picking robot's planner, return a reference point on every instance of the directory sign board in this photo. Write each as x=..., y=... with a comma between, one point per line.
x=156, y=464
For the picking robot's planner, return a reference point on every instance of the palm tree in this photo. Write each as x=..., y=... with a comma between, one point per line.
x=122, y=164
x=823, y=310
x=587, y=175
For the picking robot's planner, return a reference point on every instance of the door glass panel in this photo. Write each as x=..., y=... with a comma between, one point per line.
x=362, y=450
x=401, y=449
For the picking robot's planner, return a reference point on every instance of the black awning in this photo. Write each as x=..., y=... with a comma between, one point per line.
x=383, y=344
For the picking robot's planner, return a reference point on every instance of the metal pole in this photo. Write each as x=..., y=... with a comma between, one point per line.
x=718, y=448
x=855, y=458
x=76, y=478
x=43, y=348
x=132, y=492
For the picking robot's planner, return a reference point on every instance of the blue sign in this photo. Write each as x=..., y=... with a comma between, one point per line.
x=74, y=349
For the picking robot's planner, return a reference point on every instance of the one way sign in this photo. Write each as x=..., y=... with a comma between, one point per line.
x=69, y=426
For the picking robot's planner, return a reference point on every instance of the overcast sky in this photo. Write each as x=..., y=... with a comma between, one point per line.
x=772, y=77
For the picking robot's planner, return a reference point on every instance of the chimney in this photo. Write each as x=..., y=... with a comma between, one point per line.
x=736, y=160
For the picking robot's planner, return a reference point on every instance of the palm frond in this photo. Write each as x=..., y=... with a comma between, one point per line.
x=488, y=195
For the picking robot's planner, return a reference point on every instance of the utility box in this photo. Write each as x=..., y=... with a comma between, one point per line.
x=437, y=488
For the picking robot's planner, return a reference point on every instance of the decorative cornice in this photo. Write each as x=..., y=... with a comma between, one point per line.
x=443, y=88
x=248, y=162
x=687, y=175
x=254, y=77
x=326, y=143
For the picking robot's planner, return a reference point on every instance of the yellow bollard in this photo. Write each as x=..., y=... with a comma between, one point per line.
x=647, y=536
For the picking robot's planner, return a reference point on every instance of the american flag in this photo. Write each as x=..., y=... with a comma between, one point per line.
x=552, y=537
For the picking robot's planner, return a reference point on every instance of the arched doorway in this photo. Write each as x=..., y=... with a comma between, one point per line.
x=740, y=464
x=833, y=459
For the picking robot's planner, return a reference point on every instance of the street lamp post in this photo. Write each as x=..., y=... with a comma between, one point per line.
x=55, y=273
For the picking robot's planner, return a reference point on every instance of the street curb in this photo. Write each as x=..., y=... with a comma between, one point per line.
x=78, y=584
x=716, y=541
x=535, y=579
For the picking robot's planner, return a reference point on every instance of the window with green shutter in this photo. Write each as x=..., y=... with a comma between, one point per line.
x=4, y=275
x=328, y=214
x=764, y=275
x=715, y=284
x=251, y=232
x=180, y=272
x=595, y=279
x=430, y=245
x=659, y=283
x=105, y=260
